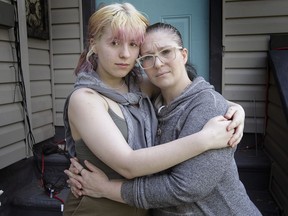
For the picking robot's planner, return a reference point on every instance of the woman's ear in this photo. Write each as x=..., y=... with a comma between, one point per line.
x=93, y=45
x=185, y=55
x=94, y=48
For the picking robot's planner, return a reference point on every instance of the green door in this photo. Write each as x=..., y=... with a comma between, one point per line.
x=191, y=17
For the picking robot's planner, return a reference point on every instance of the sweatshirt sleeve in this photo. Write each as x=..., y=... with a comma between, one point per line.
x=191, y=180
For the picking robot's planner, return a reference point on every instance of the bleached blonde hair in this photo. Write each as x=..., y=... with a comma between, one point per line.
x=125, y=21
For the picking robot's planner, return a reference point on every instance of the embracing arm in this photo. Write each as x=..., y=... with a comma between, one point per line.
x=196, y=177
x=237, y=113
x=87, y=111
x=191, y=180
x=92, y=182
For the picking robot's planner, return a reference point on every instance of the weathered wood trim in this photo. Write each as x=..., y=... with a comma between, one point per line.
x=25, y=61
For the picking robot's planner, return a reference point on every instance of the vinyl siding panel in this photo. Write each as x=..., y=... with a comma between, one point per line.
x=263, y=25
x=63, y=90
x=42, y=118
x=37, y=44
x=11, y=133
x=40, y=72
x=67, y=31
x=41, y=77
x=249, y=60
x=41, y=86
x=11, y=113
x=8, y=74
x=12, y=129
x=43, y=133
x=38, y=57
x=12, y=153
x=256, y=8
x=248, y=76
x=253, y=109
x=41, y=103
x=247, y=43
x=67, y=44
x=71, y=15
x=64, y=76
x=5, y=35
x=67, y=61
x=6, y=54
x=60, y=105
x=247, y=26
x=253, y=93
x=9, y=93
x=56, y=4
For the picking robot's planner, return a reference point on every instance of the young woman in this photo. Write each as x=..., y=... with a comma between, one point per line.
x=110, y=121
x=204, y=185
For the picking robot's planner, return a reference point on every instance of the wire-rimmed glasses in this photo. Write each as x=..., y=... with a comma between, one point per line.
x=165, y=55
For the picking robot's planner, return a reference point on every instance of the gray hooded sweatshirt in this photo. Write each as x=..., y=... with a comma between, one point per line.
x=204, y=185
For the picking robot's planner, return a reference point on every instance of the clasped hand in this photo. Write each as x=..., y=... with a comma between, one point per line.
x=87, y=182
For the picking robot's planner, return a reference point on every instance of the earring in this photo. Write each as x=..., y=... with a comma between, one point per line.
x=90, y=52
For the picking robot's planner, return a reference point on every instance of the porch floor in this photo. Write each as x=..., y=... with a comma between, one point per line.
x=253, y=167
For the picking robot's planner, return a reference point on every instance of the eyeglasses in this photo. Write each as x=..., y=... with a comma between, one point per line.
x=165, y=55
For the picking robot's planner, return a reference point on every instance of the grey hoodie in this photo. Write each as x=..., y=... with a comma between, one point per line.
x=204, y=185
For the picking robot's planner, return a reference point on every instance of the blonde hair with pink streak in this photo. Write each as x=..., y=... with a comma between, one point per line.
x=126, y=23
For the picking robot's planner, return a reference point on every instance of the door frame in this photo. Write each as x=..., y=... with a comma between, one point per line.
x=215, y=38
x=215, y=44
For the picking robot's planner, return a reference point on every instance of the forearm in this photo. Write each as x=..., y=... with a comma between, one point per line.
x=161, y=157
x=112, y=190
x=158, y=158
x=188, y=182
x=151, y=160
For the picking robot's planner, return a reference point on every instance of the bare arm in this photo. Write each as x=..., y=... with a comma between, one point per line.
x=87, y=111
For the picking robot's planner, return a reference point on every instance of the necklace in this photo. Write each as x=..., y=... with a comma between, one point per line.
x=160, y=108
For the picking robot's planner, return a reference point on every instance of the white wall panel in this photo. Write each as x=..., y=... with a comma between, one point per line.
x=247, y=26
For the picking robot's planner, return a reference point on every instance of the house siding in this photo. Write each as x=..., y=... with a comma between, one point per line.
x=48, y=67
x=41, y=85
x=247, y=26
x=12, y=125
x=67, y=45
